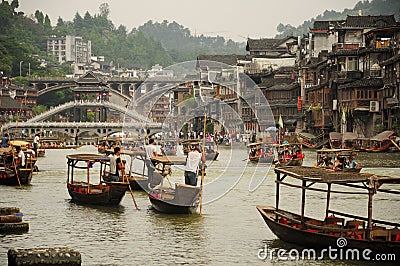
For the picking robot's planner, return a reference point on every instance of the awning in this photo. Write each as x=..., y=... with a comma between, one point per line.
x=349, y=136
x=306, y=135
x=335, y=135
x=383, y=135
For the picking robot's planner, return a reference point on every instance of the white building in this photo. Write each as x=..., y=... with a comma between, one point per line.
x=69, y=48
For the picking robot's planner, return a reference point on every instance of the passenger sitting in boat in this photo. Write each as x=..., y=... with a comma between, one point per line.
x=339, y=163
x=20, y=161
x=253, y=152
x=352, y=163
x=260, y=153
x=116, y=165
x=286, y=155
x=321, y=161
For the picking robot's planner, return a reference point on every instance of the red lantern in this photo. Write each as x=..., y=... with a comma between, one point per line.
x=110, y=94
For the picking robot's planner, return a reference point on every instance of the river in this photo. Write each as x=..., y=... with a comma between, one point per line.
x=229, y=231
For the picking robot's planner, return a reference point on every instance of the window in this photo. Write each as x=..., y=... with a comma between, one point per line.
x=352, y=64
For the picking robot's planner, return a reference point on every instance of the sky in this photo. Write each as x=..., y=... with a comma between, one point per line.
x=233, y=19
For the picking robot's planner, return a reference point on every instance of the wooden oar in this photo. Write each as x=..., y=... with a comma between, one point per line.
x=202, y=168
x=130, y=189
x=15, y=169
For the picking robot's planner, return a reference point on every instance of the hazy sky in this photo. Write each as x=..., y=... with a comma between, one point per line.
x=235, y=19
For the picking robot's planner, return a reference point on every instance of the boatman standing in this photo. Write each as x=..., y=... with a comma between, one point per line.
x=151, y=151
x=36, y=143
x=192, y=163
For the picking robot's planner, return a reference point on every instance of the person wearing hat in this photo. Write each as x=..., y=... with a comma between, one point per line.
x=193, y=159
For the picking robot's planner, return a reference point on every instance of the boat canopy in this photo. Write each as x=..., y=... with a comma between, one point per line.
x=319, y=175
x=254, y=144
x=334, y=150
x=383, y=135
x=88, y=157
x=350, y=136
x=307, y=135
x=344, y=136
x=335, y=135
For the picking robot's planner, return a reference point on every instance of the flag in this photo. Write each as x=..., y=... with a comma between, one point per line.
x=280, y=121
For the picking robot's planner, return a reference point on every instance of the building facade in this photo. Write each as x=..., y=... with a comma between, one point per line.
x=70, y=48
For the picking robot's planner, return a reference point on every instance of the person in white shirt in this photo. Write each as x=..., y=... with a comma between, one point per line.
x=20, y=157
x=36, y=143
x=116, y=165
x=194, y=157
x=151, y=151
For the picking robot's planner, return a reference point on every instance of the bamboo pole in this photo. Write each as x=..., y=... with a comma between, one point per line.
x=130, y=189
x=202, y=168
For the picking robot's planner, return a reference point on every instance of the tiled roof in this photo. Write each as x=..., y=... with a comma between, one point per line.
x=6, y=102
x=369, y=21
x=91, y=78
x=230, y=60
x=264, y=44
x=366, y=82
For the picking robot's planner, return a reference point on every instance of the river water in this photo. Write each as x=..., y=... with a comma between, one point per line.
x=229, y=231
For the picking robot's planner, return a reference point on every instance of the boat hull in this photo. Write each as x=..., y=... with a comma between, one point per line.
x=109, y=194
x=320, y=241
x=169, y=207
x=139, y=183
x=9, y=178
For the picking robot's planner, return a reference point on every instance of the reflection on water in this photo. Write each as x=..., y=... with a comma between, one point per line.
x=230, y=231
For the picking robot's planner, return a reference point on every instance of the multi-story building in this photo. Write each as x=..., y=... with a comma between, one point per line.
x=70, y=48
x=341, y=74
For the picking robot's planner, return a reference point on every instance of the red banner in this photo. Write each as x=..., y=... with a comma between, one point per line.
x=299, y=103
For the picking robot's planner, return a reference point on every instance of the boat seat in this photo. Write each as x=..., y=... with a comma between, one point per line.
x=382, y=234
x=334, y=220
x=186, y=194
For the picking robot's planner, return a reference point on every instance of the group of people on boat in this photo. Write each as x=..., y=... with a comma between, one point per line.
x=337, y=163
x=194, y=156
x=287, y=155
x=261, y=153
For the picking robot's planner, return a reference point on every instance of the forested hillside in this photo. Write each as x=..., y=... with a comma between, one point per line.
x=23, y=38
x=374, y=7
x=183, y=45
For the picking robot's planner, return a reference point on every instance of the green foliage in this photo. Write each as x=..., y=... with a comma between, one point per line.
x=182, y=45
x=373, y=8
x=38, y=109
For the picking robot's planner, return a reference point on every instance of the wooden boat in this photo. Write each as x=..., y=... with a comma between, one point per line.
x=9, y=174
x=289, y=154
x=168, y=147
x=181, y=199
x=353, y=231
x=101, y=193
x=107, y=143
x=326, y=159
x=211, y=152
x=261, y=152
x=138, y=181
x=346, y=140
x=381, y=142
x=211, y=149
x=311, y=141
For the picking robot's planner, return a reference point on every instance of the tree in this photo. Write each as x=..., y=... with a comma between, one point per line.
x=15, y=4
x=104, y=10
x=39, y=16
